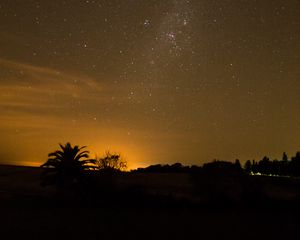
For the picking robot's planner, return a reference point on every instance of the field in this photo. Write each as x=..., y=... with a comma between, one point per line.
x=151, y=206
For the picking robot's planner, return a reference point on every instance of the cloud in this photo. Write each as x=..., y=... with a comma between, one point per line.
x=28, y=92
x=44, y=79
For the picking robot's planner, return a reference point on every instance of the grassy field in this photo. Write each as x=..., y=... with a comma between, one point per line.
x=151, y=206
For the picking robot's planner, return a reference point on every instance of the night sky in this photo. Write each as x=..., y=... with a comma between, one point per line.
x=158, y=81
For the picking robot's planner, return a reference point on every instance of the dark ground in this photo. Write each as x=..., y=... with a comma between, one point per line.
x=29, y=211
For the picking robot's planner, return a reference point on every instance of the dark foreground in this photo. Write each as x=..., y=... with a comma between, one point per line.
x=126, y=223
x=155, y=209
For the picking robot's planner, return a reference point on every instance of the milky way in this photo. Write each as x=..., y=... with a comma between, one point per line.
x=159, y=81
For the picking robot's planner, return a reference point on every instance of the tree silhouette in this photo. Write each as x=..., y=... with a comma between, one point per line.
x=283, y=167
x=111, y=163
x=248, y=166
x=237, y=164
x=285, y=157
x=66, y=166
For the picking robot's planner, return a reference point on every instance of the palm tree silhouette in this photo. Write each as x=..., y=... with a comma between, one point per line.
x=66, y=166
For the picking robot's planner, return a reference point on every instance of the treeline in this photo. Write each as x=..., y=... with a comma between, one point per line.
x=283, y=167
x=216, y=166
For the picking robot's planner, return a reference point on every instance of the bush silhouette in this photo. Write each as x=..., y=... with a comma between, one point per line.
x=111, y=163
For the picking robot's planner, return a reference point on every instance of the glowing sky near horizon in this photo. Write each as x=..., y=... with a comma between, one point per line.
x=158, y=81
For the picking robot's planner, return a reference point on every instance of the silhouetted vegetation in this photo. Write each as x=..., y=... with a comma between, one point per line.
x=217, y=167
x=283, y=167
x=66, y=166
x=223, y=167
x=218, y=182
x=158, y=168
x=111, y=163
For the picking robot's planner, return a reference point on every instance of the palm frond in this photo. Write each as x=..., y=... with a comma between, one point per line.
x=68, y=163
x=56, y=153
x=81, y=155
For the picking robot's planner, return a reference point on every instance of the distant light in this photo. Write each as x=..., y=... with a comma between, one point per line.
x=267, y=175
x=147, y=22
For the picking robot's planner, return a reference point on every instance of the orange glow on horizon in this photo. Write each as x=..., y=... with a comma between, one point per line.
x=131, y=156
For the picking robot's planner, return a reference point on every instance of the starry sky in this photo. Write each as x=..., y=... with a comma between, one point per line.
x=158, y=81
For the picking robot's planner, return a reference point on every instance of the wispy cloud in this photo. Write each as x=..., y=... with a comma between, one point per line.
x=39, y=78
x=28, y=91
